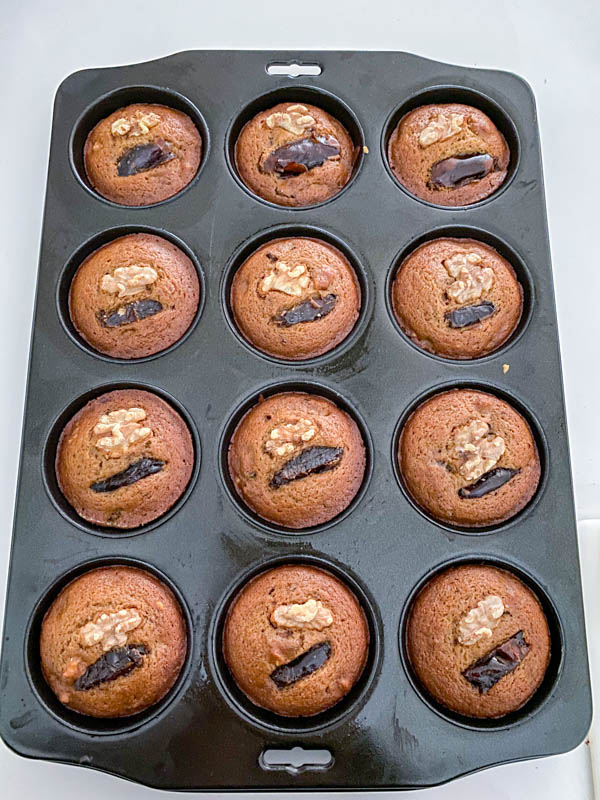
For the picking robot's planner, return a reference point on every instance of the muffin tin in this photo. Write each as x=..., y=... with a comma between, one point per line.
x=205, y=735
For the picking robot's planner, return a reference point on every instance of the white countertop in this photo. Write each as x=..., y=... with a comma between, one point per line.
x=553, y=45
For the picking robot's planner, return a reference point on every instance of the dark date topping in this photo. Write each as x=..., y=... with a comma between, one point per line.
x=493, y=666
x=489, y=482
x=310, y=310
x=469, y=315
x=112, y=665
x=457, y=171
x=134, y=472
x=143, y=157
x=300, y=156
x=132, y=312
x=304, y=664
x=309, y=461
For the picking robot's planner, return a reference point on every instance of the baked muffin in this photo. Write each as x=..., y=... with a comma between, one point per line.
x=448, y=154
x=134, y=296
x=295, y=640
x=113, y=642
x=457, y=298
x=295, y=298
x=478, y=641
x=468, y=458
x=142, y=154
x=297, y=459
x=124, y=459
x=294, y=155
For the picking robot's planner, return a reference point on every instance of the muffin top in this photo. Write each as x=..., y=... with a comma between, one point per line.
x=297, y=459
x=295, y=640
x=113, y=642
x=448, y=154
x=295, y=298
x=469, y=458
x=142, y=154
x=457, y=298
x=134, y=296
x=294, y=155
x=478, y=640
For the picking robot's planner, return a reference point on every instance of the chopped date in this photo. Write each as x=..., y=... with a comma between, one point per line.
x=469, y=315
x=304, y=664
x=457, y=171
x=302, y=155
x=309, y=461
x=493, y=666
x=134, y=472
x=308, y=311
x=112, y=665
x=132, y=312
x=143, y=157
x=489, y=482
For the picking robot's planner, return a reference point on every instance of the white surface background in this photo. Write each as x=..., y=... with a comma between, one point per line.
x=553, y=44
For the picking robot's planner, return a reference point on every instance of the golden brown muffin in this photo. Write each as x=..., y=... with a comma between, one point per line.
x=468, y=458
x=295, y=640
x=457, y=298
x=134, y=296
x=113, y=642
x=463, y=619
x=448, y=154
x=297, y=459
x=142, y=154
x=124, y=459
x=295, y=298
x=294, y=155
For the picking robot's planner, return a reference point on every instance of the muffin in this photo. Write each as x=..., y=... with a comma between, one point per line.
x=295, y=298
x=134, y=296
x=478, y=641
x=468, y=458
x=457, y=298
x=113, y=642
x=295, y=640
x=296, y=459
x=294, y=155
x=142, y=154
x=124, y=459
x=448, y=154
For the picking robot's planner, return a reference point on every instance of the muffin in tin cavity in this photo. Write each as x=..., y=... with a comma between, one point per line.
x=296, y=459
x=295, y=640
x=142, y=154
x=448, y=154
x=469, y=458
x=124, y=459
x=134, y=296
x=478, y=641
x=294, y=155
x=457, y=298
x=295, y=298
x=113, y=642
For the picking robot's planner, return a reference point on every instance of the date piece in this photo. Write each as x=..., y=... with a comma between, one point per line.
x=301, y=666
x=301, y=156
x=493, y=666
x=112, y=665
x=134, y=472
x=132, y=312
x=469, y=315
x=310, y=310
x=143, y=157
x=312, y=460
x=489, y=482
x=459, y=170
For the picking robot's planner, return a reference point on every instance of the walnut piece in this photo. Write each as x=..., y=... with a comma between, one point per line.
x=311, y=615
x=471, y=281
x=294, y=119
x=294, y=281
x=138, y=126
x=481, y=620
x=120, y=127
x=286, y=438
x=127, y=281
x=440, y=128
x=477, y=449
x=110, y=630
x=123, y=429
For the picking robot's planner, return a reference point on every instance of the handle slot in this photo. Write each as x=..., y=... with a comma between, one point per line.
x=293, y=69
x=296, y=759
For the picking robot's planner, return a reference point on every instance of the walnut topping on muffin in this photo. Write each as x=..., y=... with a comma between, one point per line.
x=441, y=127
x=122, y=430
x=139, y=125
x=110, y=630
x=312, y=615
x=471, y=281
x=481, y=620
x=127, y=281
x=286, y=438
x=294, y=281
x=477, y=449
x=294, y=120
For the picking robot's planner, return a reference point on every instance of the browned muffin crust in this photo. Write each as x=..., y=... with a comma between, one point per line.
x=297, y=434
x=443, y=641
x=294, y=154
x=140, y=612
x=262, y=633
x=429, y=135
x=168, y=154
x=295, y=298
x=124, y=431
x=121, y=282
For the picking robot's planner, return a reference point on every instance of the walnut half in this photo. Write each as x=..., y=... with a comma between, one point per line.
x=127, y=281
x=110, y=630
x=477, y=449
x=471, y=279
x=286, y=438
x=442, y=127
x=295, y=281
x=311, y=615
x=123, y=429
x=294, y=119
x=481, y=620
